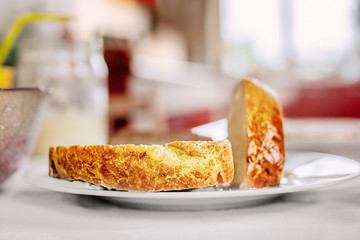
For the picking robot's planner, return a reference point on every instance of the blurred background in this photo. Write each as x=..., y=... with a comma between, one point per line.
x=160, y=65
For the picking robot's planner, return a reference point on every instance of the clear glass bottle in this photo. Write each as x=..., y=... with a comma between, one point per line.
x=76, y=76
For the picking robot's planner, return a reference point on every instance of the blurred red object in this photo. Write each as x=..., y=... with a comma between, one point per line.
x=149, y=3
x=117, y=58
x=325, y=101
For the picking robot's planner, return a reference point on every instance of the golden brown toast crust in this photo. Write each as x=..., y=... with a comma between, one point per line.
x=266, y=148
x=130, y=136
x=176, y=166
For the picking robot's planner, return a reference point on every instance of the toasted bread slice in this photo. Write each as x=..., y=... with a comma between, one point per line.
x=255, y=131
x=175, y=166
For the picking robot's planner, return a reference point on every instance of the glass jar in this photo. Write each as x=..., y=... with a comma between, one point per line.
x=75, y=74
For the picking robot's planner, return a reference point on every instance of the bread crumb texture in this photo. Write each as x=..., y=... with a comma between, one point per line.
x=176, y=166
x=266, y=149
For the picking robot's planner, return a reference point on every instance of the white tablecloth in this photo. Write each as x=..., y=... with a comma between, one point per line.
x=28, y=212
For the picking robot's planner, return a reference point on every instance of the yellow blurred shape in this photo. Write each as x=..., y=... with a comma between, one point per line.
x=6, y=77
x=19, y=24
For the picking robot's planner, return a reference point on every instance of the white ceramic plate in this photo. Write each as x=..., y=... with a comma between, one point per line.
x=303, y=171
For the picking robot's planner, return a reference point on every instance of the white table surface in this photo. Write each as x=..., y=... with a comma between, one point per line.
x=28, y=212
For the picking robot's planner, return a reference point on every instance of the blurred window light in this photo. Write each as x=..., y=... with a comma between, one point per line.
x=252, y=29
x=274, y=33
x=322, y=29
